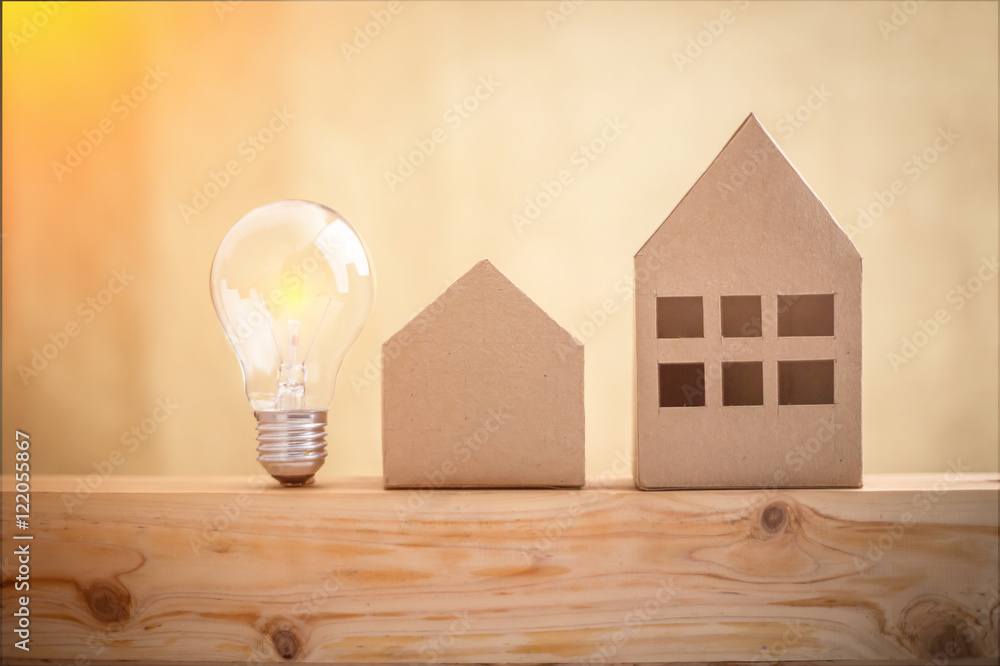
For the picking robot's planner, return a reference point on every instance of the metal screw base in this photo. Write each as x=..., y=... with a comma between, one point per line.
x=291, y=445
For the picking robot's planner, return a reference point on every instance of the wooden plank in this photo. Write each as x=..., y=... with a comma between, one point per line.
x=229, y=570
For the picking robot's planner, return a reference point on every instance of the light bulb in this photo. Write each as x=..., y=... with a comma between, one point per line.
x=292, y=285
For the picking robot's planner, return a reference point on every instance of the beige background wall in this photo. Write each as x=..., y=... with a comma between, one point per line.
x=877, y=100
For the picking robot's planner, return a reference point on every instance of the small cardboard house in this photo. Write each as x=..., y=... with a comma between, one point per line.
x=748, y=332
x=482, y=389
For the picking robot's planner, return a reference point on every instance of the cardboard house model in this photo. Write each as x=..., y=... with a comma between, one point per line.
x=748, y=332
x=482, y=389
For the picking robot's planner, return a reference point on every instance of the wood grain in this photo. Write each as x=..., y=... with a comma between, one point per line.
x=229, y=570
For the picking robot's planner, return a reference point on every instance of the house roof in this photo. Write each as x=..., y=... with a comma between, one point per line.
x=484, y=298
x=753, y=169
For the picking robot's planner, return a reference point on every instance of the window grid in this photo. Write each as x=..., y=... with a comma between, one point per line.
x=799, y=381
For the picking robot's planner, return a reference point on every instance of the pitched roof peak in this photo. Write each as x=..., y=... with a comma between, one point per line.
x=751, y=169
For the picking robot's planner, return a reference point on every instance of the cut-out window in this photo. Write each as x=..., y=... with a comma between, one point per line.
x=743, y=383
x=805, y=315
x=679, y=317
x=805, y=382
x=741, y=317
x=682, y=385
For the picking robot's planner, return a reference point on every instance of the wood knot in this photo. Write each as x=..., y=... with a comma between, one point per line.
x=950, y=642
x=940, y=629
x=286, y=644
x=774, y=517
x=109, y=602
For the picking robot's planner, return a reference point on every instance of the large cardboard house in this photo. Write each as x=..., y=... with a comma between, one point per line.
x=748, y=332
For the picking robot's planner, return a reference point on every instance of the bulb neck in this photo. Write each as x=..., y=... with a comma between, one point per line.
x=291, y=445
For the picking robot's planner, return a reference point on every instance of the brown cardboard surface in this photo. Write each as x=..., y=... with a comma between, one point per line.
x=482, y=389
x=749, y=226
